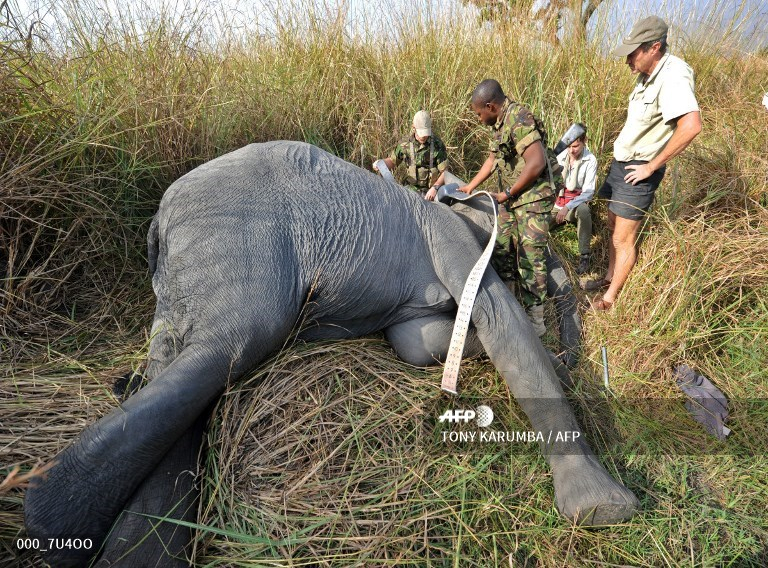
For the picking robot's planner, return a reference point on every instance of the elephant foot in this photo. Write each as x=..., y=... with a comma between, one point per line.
x=586, y=493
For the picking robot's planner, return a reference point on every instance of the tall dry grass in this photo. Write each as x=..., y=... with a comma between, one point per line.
x=100, y=115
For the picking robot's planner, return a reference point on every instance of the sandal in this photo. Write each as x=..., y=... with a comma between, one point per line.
x=595, y=285
x=601, y=305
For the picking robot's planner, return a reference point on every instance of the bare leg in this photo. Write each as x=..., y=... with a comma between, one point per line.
x=611, y=249
x=622, y=253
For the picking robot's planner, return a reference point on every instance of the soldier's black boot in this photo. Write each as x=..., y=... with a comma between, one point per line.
x=583, y=266
x=536, y=315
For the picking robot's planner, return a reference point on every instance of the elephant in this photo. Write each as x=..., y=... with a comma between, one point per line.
x=270, y=240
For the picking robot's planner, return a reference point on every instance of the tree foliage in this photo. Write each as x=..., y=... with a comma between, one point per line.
x=552, y=16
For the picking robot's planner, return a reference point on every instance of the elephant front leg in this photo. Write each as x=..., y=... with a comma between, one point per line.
x=424, y=342
x=584, y=491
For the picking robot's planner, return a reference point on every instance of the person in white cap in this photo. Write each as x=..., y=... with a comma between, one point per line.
x=572, y=203
x=662, y=119
x=425, y=156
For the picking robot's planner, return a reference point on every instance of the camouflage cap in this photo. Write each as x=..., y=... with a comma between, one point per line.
x=647, y=29
x=422, y=122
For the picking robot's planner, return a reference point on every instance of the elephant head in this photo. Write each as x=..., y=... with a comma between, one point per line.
x=243, y=249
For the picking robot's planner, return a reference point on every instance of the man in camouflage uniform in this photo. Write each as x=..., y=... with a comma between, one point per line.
x=425, y=156
x=518, y=152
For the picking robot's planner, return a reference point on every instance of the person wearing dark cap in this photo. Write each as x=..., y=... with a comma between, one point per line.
x=662, y=119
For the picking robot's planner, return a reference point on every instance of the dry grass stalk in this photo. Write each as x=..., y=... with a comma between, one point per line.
x=17, y=480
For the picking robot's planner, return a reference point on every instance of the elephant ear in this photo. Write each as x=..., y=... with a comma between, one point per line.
x=478, y=210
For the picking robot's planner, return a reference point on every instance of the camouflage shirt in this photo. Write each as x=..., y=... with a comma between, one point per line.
x=515, y=130
x=422, y=160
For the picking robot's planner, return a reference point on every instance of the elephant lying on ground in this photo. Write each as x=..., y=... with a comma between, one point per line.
x=242, y=250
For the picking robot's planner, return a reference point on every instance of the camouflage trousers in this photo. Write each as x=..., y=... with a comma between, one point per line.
x=520, y=252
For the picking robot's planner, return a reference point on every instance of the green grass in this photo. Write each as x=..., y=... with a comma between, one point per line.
x=325, y=456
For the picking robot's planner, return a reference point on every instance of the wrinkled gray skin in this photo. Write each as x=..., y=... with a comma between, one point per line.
x=567, y=311
x=238, y=248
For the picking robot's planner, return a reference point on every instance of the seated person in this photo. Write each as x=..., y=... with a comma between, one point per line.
x=572, y=203
x=424, y=155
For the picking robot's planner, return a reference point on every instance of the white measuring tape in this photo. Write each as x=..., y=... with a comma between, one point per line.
x=464, y=314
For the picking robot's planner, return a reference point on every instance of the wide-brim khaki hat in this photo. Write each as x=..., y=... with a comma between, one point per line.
x=647, y=29
x=422, y=122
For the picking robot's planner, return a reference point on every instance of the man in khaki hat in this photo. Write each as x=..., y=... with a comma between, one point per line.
x=425, y=156
x=662, y=119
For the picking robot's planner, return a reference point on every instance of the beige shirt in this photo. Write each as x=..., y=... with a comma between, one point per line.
x=653, y=107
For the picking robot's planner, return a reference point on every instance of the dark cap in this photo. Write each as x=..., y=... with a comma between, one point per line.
x=651, y=28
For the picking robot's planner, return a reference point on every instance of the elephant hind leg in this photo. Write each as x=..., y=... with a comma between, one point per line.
x=92, y=479
x=424, y=341
x=138, y=537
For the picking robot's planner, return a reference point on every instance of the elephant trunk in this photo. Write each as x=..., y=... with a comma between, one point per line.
x=92, y=479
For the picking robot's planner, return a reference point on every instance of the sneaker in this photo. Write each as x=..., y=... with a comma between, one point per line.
x=595, y=285
x=583, y=267
x=601, y=305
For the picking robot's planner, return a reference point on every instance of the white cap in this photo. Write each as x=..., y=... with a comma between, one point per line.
x=422, y=122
